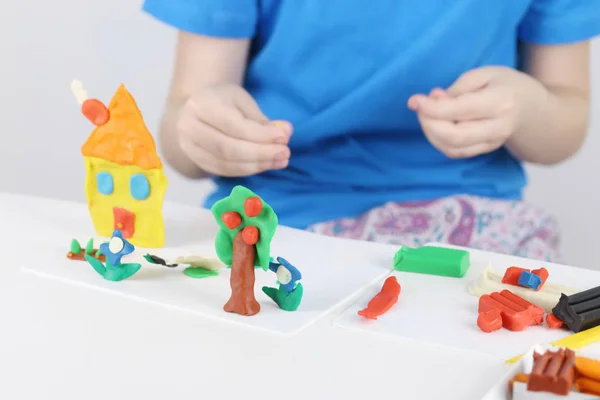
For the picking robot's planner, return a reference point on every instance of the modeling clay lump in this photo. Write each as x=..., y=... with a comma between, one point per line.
x=114, y=251
x=506, y=309
x=432, y=260
x=77, y=253
x=289, y=294
x=552, y=372
x=547, y=297
x=588, y=375
x=579, y=311
x=125, y=182
x=384, y=300
x=243, y=241
x=198, y=266
x=525, y=278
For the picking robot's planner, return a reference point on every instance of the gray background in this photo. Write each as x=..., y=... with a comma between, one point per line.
x=104, y=43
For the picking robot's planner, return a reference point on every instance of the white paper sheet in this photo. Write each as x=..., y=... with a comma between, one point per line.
x=333, y=269
x=440, y=311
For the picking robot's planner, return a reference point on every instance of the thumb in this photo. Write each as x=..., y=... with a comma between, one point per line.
x=249, y=108
x=470, y=81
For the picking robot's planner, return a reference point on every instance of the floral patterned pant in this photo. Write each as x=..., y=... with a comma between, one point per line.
x=509, y=227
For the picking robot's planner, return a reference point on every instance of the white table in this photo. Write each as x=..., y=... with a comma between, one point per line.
x=101, y=346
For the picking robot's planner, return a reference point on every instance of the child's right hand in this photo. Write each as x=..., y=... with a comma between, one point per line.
x=223, y=131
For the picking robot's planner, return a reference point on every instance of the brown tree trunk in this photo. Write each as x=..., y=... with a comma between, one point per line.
x=242, y=300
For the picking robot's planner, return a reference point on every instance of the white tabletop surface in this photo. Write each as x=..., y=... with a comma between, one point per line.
x=61, y=341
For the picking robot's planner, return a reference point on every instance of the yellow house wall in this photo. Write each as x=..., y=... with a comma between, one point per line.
x=149, y=228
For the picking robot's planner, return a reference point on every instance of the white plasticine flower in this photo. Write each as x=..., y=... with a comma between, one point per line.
x=116, y=245
x=284, y=276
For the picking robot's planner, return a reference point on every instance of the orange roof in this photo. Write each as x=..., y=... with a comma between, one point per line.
x=124, y=139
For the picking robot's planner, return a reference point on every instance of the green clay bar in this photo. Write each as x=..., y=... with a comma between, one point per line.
x=433, y=261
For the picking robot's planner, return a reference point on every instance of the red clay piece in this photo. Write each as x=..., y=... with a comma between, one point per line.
x=252, y=206
x=95, y=111
x=553, y=321
x=490, y=321
x=512, y=275
x=517, y=314
x=250, y=235
x=543, y=274
x=384, y=300
x=553, y=372
x=231, y=219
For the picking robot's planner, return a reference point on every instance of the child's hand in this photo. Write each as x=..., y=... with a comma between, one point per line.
x=478, y=113
x=223, y=131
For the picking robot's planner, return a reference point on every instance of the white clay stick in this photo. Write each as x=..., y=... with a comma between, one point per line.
x=78, y=91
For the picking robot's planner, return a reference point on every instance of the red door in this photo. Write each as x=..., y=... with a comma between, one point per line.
x=124, y=221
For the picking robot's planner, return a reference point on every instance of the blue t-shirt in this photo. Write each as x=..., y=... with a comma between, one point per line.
x=341, y=71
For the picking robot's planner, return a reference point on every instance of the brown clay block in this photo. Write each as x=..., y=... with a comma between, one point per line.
x=588, y=386
x=81, y=256
x=552, y=372
x=517, y=314
x=512, y=275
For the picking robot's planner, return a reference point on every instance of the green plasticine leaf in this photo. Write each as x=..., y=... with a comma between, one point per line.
x=286, y=301
x=149, y=258
x=271, y=292
x=89, y=247
x=266, y=222
x=75, y=247
x=96, y=264
x=121, y=272
x=199, y=273
x=98, y=253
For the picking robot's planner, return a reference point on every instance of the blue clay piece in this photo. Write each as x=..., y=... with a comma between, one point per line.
x=287, y=274
x=529, y=280
x=105, y=183
x=116, y=248
x=139, y=187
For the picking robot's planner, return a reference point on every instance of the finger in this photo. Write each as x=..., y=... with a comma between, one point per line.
x=285, y=125
x=438, y=93
x=228, y=119
x=471, y=151
x=456, y=140
x=470, y=81
x=464, y=134
x=228, y=148
x=470, y=133
x=469, y=106
x=437, y=131
x=249, y=108
x=216, y=166
x=415, y=100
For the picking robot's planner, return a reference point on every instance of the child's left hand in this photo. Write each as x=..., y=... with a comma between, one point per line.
x=478, y=113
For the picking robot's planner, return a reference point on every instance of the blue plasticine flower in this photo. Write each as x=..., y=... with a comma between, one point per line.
x=287, y=274
x=116, y=248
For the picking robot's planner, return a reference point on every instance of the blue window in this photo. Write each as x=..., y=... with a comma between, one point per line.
x=105, y=183
x=139, y=187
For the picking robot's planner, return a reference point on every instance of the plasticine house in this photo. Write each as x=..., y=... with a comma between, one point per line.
x=125, y=183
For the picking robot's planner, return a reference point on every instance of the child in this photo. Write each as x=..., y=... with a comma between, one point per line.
x=394, y=121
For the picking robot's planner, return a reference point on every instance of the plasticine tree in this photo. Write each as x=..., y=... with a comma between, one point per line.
x=244, y=241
